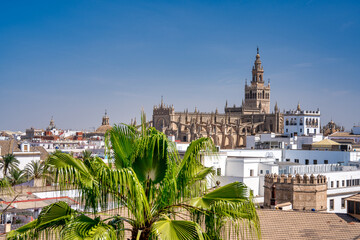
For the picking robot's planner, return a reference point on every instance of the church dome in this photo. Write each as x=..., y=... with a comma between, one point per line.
x=103, y=128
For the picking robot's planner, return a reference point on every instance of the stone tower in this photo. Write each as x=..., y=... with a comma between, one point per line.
x=163, y=116
x=303, y=192
x=257, y=94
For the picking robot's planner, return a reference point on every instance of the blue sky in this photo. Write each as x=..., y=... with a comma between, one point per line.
x=74, y=59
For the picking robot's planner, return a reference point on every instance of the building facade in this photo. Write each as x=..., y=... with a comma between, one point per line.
x=301, y=123
x=229, y=129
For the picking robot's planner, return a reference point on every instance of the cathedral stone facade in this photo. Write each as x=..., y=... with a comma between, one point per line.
x=228, y=129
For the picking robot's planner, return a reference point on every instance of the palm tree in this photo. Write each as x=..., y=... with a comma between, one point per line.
x=8, y=162
x=37, y=171
x=16, y=177
x=158, y=188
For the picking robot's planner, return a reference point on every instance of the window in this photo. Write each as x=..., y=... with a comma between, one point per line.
x=301, y=130
x=251, y=172
x=267, y=171
x=286, y=130
x=306, y=161
x=331, y=204
x=308, y=131
x=337, y=184
x=343, y=183
x=351, y=206
x=261, y=171
x=332, y=184
x=296, y=160
x=357, y=207
x=326, y=161
x=288, y=159
x=314, y=131
x=315, y=161
x=348, y=183
x=343, y=203
x=218, y=171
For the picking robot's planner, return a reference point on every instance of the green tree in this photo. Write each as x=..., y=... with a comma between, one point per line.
x=159, y=189
x=8, y=162
x=16, y=177
x=38, y=171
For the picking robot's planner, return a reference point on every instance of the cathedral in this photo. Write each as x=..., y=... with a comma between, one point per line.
x=229, y=129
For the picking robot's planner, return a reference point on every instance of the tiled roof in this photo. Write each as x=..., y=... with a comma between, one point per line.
x=325, y=142
x=12, y=146
x=43, y=153
x=344, y=134
x=7, y=146
x=355, y=198
x=277, y=224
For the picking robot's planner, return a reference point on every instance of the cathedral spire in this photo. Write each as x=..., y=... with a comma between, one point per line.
x=276, y=109
x=257, y=71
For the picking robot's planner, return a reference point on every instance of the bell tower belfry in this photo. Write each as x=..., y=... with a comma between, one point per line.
x=257, y=94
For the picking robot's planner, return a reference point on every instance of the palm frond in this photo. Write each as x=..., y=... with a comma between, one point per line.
x=84, y=227
x=167, y=229
x=120, y=142
x=52, y=218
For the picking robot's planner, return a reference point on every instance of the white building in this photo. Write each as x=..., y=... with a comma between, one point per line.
x=299, y=122
x=274, y=141
x=22, y=152
x=250, y=166
x=308, y=157
x=247, y=166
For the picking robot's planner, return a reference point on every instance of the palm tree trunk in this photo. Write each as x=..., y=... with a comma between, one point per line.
x=144, y=235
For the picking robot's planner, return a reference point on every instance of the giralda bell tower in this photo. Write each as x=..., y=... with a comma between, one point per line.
x=257, y=94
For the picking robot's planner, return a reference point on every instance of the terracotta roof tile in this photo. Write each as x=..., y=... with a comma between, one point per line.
x=277, y=224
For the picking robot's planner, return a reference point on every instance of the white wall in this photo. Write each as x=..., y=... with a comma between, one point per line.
x=260, y=153
x=25, y=158
x=320, y=156
x=216, y=161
